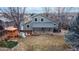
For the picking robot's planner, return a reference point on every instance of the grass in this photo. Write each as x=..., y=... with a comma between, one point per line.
x=38, y=43
x=8, y=44
x=45, y=43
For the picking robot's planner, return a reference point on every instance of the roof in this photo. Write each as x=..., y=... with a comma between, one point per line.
x=27, y=19
x=11, y=28
x=5, y=19
x=39, y=25
x=41, y=16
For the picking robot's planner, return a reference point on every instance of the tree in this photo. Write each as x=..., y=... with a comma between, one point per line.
x=47, y=11
x=72, y=37
x=61, y=11
x=14, y=13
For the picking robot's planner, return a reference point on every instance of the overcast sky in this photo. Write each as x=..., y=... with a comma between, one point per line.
x=40, y=10
x=34, y=10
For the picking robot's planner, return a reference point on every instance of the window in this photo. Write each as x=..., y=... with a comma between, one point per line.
x=54, y=24
x=41, y=19
x=27, y=25
x=35, y=19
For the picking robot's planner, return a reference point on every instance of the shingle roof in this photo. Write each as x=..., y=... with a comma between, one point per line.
x=41, y=16
x=39, y=25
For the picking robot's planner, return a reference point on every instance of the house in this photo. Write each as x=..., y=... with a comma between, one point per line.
x=5, y=22
x=39, y=23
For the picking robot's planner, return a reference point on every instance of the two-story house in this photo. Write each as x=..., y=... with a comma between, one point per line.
x=39, y=23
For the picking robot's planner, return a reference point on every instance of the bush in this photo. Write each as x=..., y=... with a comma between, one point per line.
x=8, y=44
x=72, y=37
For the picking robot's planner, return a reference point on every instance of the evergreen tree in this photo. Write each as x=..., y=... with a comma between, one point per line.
x=72, y=36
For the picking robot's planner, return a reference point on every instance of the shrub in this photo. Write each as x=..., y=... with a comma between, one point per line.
x=72, y=37
x=8, y=44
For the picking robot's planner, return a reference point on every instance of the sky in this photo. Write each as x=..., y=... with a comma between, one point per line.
x=34, y=10
x=40, y=10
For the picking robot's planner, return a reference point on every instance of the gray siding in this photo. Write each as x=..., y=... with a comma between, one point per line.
x=28, y=28
x=39, y=19
x=46, y=23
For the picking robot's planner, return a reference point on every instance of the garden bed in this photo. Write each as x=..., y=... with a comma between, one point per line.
x=8, y=44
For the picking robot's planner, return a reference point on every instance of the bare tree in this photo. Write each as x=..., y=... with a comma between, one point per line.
x=61, y=13
x=14, y=13
x=47, y=10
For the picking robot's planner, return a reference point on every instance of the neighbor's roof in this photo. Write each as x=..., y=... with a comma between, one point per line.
x=5, y=19
x=27, y=19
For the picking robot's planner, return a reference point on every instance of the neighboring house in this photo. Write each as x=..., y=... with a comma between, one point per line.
x=39, y=23
x=6, y=22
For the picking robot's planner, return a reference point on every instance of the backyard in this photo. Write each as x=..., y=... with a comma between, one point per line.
x=41, y=43
x=45, y=43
